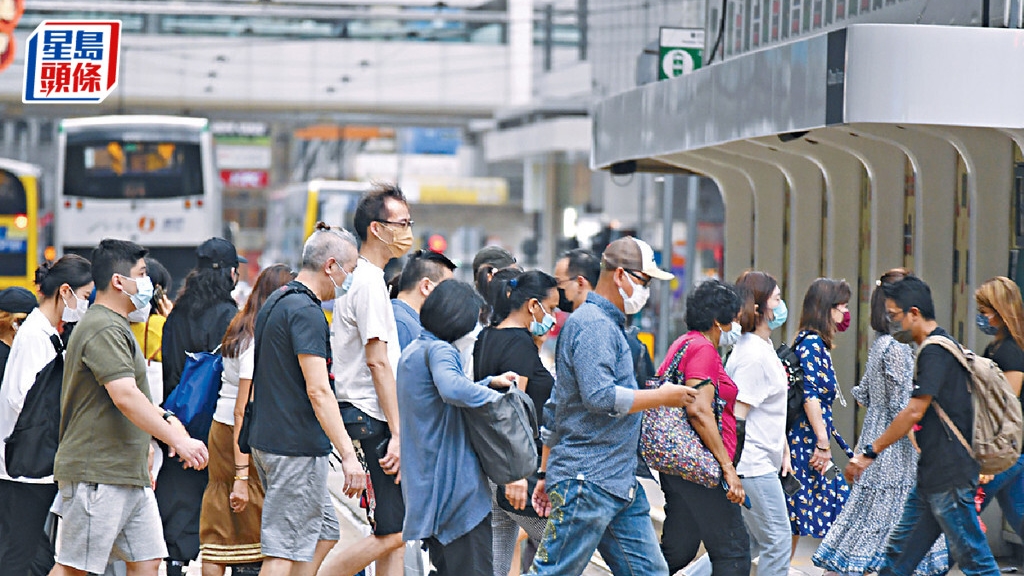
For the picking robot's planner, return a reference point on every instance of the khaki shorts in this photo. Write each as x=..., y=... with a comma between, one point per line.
x=105, y=521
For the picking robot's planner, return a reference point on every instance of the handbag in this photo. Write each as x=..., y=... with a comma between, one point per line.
x=194, y=399
x=669, y=443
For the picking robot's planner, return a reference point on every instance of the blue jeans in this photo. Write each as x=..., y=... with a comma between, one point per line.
x=925, y=517
x=585, y=518
x=768, y=524
x=1008, y=488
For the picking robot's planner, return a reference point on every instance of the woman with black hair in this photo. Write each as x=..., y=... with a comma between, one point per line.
x=817, y=504
x=201, y=315
x=24, y=502
x=523, y=311
x=447, y=497
x=695, y=513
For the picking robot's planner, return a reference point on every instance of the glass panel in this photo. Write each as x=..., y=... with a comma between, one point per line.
x=120, y=169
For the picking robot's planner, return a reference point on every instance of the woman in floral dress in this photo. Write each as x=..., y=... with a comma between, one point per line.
x=856, y=542
x=814, y=508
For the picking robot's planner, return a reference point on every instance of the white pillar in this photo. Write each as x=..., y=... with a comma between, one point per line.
x=520, y=52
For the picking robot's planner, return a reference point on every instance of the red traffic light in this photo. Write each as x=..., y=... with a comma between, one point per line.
x=437, y=243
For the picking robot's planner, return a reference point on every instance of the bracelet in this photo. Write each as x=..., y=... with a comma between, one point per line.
x=241, y=466
x=542, y=474
x=825, y=449
x=241, y=477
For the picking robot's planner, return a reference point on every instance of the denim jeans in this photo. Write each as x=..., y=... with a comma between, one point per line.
x=585, y=518
x=768, y=524
x=925, y=517
x=1008, y=488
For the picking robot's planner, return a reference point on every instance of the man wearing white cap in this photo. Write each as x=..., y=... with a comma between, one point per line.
x=588, y=481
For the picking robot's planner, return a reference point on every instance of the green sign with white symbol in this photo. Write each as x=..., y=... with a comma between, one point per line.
x=680, y=51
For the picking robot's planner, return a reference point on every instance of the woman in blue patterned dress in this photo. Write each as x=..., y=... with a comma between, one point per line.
x=856, y=542
x=814, y=508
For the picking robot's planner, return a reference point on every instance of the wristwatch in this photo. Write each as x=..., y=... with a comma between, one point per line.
x=168, y=415
x=542, y=474
x=870, y=452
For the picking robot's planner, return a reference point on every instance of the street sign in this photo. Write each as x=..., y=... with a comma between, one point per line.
x=680, y=51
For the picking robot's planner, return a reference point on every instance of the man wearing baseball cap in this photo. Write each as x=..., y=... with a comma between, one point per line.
x=587, y=475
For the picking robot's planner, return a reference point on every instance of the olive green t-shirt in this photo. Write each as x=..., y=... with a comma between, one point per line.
x=97, y=442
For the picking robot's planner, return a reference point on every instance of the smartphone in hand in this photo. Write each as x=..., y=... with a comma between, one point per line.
x=831, y=471
x=790, y=485
x=746, y=498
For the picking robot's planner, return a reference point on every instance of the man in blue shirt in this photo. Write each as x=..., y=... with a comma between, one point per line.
x=590, y=454
x=422, y=273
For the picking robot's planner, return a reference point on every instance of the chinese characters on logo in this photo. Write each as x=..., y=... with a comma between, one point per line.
x=72, y=61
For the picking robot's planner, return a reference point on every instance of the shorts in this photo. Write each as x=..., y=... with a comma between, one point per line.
x=104, y=521
x=389, y=511
x=297, y=508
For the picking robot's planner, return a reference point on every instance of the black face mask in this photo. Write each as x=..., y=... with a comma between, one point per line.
x=564, y=304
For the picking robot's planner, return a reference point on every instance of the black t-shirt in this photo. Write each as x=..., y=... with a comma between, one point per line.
x=184, y=333
x=290, y=323
x=944, y=463
x=512, y=349
x=1006, y=353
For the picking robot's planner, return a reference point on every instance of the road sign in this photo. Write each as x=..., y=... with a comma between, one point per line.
x=680, y=51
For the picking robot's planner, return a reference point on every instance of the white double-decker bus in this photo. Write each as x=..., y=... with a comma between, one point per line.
x=148, y=179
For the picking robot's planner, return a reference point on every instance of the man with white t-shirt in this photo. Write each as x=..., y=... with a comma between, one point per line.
x=364, y=338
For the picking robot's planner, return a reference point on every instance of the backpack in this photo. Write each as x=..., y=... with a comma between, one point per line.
x=32, y=446
x=795, y=375
x=194, y=399
x=996, y=438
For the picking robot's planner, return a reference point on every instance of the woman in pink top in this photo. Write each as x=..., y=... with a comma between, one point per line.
x=694, y=513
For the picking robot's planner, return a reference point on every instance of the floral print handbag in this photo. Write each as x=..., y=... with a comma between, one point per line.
x=669, y=443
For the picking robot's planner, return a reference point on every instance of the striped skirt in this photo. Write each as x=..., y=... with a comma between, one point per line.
x=224, y=536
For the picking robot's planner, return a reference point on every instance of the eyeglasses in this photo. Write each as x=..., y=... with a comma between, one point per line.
x=894, y=316
x=644, y=280
x=400, y=224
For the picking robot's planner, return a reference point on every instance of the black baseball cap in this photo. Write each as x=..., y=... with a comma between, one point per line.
x=218, y=253
x=17, y=300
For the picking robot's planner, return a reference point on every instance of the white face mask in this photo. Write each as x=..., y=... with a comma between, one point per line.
x=466, y=342
x=140, y=315
x=638, y=300
x=74, y=314
x=731, y=337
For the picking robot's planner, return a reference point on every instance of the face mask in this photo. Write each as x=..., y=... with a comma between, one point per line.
x=564, y=304
x=346, y=284
x=465, y=343
x=842, y=326
x=544, y=326
x=140, y=315
x=982, y=321
x=731, y=337
x=74, y=314
x=638, y=300
x=144, y=293
x=780, y=313
x=401, y=241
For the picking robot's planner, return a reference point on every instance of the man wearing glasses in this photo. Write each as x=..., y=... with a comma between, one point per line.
x=364, y=339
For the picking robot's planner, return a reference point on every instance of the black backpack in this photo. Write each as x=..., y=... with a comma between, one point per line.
x=795, y=375
x=32, y=446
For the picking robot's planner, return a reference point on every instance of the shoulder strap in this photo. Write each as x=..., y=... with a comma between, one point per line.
x=958, y=353
x=256, y=341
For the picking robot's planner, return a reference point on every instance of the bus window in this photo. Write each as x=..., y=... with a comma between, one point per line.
x=120, y=170
x=12, y=194
x=13, y=226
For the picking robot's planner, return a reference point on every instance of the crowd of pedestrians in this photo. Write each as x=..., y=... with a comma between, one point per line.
x=386, y=382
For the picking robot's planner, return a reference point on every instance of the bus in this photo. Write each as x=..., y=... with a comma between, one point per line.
x=19, y=223
x=148, y=179
x=294, y=210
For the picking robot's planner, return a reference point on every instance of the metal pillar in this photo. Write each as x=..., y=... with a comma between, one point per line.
x=692, y=202
x=665, y=288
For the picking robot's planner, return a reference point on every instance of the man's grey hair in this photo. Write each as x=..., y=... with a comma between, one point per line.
x=323, y=245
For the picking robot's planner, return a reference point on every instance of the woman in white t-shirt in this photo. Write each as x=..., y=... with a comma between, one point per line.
x=229, y=524
x=761, y=410
x=25, y=502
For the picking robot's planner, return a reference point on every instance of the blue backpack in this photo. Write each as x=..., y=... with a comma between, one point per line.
x=194, y=399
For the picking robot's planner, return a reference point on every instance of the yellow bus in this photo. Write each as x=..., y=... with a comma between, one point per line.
x=19, y=223
x=294, y=210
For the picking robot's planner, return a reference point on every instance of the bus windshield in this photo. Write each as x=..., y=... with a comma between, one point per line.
x=118, y=169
